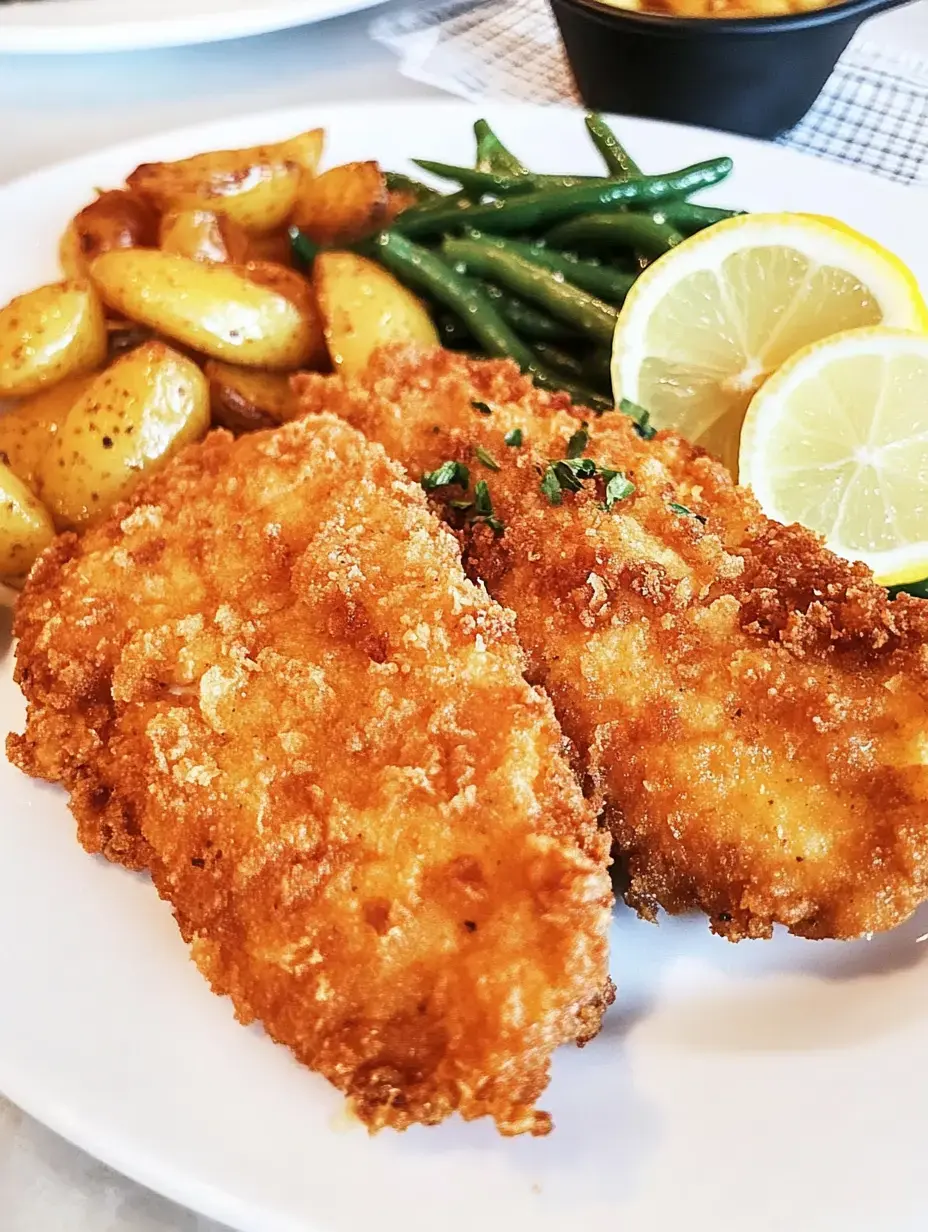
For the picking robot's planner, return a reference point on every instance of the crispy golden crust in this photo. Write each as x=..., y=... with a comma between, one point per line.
x=751, y=708
x=268, y=680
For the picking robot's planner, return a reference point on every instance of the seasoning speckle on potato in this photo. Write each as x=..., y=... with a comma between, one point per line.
x=129, y=420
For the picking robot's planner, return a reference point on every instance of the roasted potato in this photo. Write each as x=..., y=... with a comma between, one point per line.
x=49, y=334
x=26, y=529
x=343, y=205
x=117, y=219
x=215, y=309
x=28, y=428
x=204, y=235
x=243, y=399
x=363, y=308
x=133, y=416
x=257, y=187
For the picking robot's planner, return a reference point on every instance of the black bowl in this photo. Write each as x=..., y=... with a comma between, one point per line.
x=753, y=75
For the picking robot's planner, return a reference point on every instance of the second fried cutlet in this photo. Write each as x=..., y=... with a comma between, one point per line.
x=751, y=708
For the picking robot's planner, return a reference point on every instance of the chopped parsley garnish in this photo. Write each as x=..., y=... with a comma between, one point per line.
x=447, y=473
x=686, y=513
x=641, y=417
x=482, y=408
x=566, y=475
x=578, y=442
x=514, y=437
x=618, y=486
x=483, y=507
x=461, y=504
x=486, y=458
x=551, y=485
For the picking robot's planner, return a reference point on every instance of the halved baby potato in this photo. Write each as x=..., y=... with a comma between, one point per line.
x=344, y=204
x=117, y=219
x=26, y=528
x=129, y=420
x=215, y=309
x=257, y=187
x=49, y=334
x=363, y=307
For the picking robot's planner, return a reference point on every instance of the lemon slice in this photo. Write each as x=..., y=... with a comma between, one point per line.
x=706, y=323
x=838, y=440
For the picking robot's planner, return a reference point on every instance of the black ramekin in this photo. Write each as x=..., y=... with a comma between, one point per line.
x=753, y=75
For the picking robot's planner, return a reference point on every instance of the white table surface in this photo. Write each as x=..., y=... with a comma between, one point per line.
x=57, y=107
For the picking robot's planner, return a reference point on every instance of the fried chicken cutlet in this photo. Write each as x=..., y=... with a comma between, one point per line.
x=268, y=680
x=751, y=708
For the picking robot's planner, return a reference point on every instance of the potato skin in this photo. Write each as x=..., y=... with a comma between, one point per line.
x=203, y=235
x=129, y=420
x=28, y=428
x=256, y=187
x=214, y=309
x=26, y=528
x=363, y=308
x=50, y=334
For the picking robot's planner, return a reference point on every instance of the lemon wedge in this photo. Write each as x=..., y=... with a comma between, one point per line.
x=837, y=439
x=705, y=325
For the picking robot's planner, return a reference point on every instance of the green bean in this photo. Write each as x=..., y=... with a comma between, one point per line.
x=544, y=208
x=690, y=218
x=528, y=322
x=500, y=184
x=609, y=284
x=492, y=155
x=560, y=298
x=427, y=272
x=619, y=163
x=642, y=232
x=397, y=182
x=441, y=204
x=557, y=357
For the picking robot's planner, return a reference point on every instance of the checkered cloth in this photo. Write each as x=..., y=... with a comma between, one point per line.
x=873, y=110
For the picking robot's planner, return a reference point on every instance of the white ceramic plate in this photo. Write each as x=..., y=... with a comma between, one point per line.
x=753, y=1088
x=68, y=26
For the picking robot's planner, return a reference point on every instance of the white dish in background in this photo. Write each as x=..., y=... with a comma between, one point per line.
x=752, y=1088
x=70, y=26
